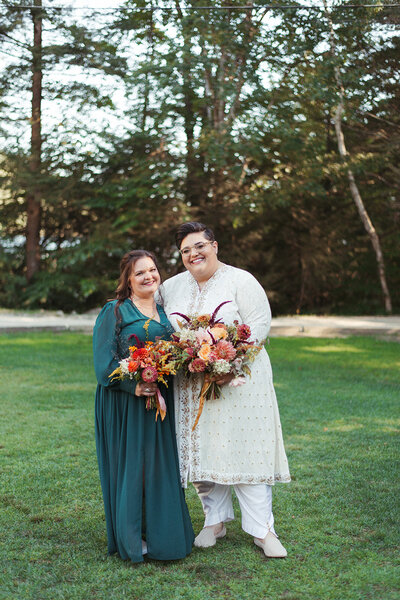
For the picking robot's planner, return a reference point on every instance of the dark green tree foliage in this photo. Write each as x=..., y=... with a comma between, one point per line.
x=260, y=161
x=318, y=252
x=229, y=120
x=46, y=183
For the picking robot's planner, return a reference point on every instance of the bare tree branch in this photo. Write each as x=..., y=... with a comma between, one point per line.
x=14, y=41
x=365, y=218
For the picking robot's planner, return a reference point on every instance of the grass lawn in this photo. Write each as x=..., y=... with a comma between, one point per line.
x=339, y=404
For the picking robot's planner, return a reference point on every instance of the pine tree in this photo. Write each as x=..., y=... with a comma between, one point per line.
x=43, y=45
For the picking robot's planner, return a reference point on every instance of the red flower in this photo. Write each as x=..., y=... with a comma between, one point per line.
x=243, y=332
x=133, y=366
x=140, y=353
x=149, y=374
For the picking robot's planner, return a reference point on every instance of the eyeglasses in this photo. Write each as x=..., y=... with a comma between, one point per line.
x=198, y=247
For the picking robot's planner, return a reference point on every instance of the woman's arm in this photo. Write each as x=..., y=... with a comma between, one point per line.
x=105, y=351
x=253, y=305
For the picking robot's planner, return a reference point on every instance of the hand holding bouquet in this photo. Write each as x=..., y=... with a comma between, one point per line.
x=206, y=345
x=148, y=363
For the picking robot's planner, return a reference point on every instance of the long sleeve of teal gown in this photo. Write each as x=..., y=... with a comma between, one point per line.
x=137, y=456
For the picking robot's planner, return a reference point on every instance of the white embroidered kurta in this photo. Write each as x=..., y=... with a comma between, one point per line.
x=238, y=438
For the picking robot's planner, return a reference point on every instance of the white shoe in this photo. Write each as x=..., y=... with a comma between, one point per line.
x=271, y=546
x=144, y=547
x=208, y=538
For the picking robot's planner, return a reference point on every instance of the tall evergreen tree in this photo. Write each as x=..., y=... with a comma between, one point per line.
x=48, y=48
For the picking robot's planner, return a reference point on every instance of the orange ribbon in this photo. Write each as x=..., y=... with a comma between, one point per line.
x=161, y=406
x=203, y=392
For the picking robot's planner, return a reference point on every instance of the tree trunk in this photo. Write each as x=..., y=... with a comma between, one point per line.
x=193, y=187
x=33, y=198
x=195, y=184
x=362, y=211
x=146, y=87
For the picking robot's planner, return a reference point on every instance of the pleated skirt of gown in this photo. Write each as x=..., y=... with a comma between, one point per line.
x=139, y=474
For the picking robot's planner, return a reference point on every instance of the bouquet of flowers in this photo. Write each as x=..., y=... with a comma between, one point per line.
x=148, y=362
x=204, y=344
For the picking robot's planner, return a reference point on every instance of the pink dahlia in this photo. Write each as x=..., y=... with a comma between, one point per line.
x=224, y=350
x=149, y=374
x=197, y=366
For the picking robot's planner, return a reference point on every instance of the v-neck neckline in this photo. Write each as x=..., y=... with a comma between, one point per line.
x=145, y=316
x=209, y=281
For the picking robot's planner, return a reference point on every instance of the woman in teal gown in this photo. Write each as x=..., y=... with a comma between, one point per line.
x=138, y=461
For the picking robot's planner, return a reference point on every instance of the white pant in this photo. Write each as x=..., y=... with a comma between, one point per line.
x=255, y=503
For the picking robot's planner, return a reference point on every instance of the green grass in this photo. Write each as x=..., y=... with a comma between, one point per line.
x=339, y=404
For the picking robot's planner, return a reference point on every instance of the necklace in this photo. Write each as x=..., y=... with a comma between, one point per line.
x=146, y=308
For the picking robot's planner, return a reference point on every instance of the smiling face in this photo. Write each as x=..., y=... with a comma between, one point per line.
x=145, y=278
x=199, y=256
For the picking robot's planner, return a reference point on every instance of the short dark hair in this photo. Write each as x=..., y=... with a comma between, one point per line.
x=192, y=227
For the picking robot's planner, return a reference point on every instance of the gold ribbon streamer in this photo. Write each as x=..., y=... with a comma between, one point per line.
x=204, y=389
x=160, y=412
x=161, y=406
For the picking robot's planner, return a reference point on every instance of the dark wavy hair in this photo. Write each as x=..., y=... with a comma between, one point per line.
x=126, y=266
x=192, y=227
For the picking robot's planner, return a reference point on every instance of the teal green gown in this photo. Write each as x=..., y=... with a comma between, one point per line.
x=137, y=456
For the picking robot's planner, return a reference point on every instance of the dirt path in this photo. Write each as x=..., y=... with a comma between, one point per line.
x=300, y=326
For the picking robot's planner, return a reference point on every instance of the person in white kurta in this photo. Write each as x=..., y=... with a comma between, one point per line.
x=238, y=440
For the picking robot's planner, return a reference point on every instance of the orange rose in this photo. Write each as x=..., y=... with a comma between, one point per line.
x=204, y=351
x=203, y=318
x=219, y=332
x=133, y=366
